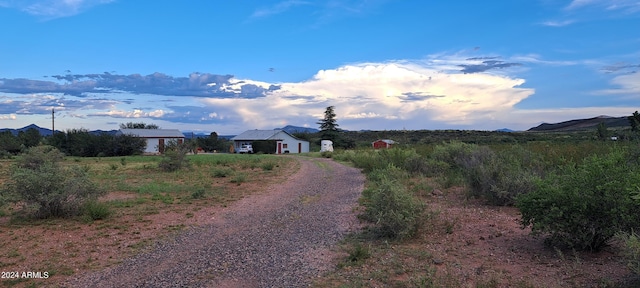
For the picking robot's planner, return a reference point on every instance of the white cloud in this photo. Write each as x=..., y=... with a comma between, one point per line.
x=278, y=8
x=8, y=117
x=51, y=9
x=629, y=6
x=628, y=84
x=135, y=113
x=418, y=93
x=558, y=23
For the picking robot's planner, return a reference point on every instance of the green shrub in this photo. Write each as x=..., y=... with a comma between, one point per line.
x=48, y=190
x=39, y=155
x=239, y=178
x=268, y=166
x=97, y=210
x=199, y=193
x=631, y=250
x=389, y=172
x=326, y=154
x=220, y=172
x=453, y=153
x=174, y=157
x=419, y=165
x=358, y=255
x=583, y=206
x=395, y=211
x=498, y=179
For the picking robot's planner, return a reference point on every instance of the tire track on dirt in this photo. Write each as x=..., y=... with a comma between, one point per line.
x=280, y=238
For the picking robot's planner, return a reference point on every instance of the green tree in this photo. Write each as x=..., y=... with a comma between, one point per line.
x=140, y=125
x=30, y=138
x=329, y=126
x=603, y=133
x=9, y=143
x=634, y=121
x=211, y=143
x=329, y=122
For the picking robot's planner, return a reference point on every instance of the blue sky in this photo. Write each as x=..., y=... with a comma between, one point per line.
x=229, y=66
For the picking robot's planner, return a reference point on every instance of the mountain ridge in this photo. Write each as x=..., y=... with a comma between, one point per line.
x=582, y=124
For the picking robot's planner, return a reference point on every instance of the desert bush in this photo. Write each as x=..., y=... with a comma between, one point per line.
x=453, y=153
x=220, y=172
x=96, y=210
x=268, y=165
x=48, y=190
x=420, y=165
x=326, y=154
x=239, y=178
x=38, y=155
x=631, y=250
x=583, y=206
x=496, y=178
x=174, y=157
x=389, y=172
x=396, y=213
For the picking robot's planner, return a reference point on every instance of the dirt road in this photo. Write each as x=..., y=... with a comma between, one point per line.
x=279, y=238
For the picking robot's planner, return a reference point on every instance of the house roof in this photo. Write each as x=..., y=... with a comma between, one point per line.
x=261, y=135
x=153, y=133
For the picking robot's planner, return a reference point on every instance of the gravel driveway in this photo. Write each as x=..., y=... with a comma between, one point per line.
x=280, y=238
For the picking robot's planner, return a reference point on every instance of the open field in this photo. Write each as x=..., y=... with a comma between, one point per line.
x=462, y=242
x=146, y=204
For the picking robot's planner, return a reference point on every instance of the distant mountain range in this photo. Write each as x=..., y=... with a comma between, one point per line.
x=297, y=129
x=583, y=124
x=43, y=131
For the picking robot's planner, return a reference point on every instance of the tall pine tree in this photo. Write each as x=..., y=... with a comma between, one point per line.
x=328, y=126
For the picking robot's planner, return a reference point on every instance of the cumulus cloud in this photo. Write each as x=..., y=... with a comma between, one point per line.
x=415, y=92
x=8, y=117
x=439, y=91
x=136, y=113
x=51, y=9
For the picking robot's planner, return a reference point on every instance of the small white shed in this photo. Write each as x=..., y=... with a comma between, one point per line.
x=156, y=138
x=326, y=146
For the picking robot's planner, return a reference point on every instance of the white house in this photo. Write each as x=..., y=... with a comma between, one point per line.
x=156, y=138
x=285, y=142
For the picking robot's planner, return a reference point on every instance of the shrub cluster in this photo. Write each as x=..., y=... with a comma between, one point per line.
x=583, y=206
x=174, y=157
x=498, y=178
x=46, y=188
x=81, y=142
x=395, y=211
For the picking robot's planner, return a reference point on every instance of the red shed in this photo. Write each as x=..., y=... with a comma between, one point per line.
x=384, y=143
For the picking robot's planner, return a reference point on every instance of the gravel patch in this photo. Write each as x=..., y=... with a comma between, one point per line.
x=279, y=238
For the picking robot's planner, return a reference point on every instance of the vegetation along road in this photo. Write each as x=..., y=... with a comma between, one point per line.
x=280, y=238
